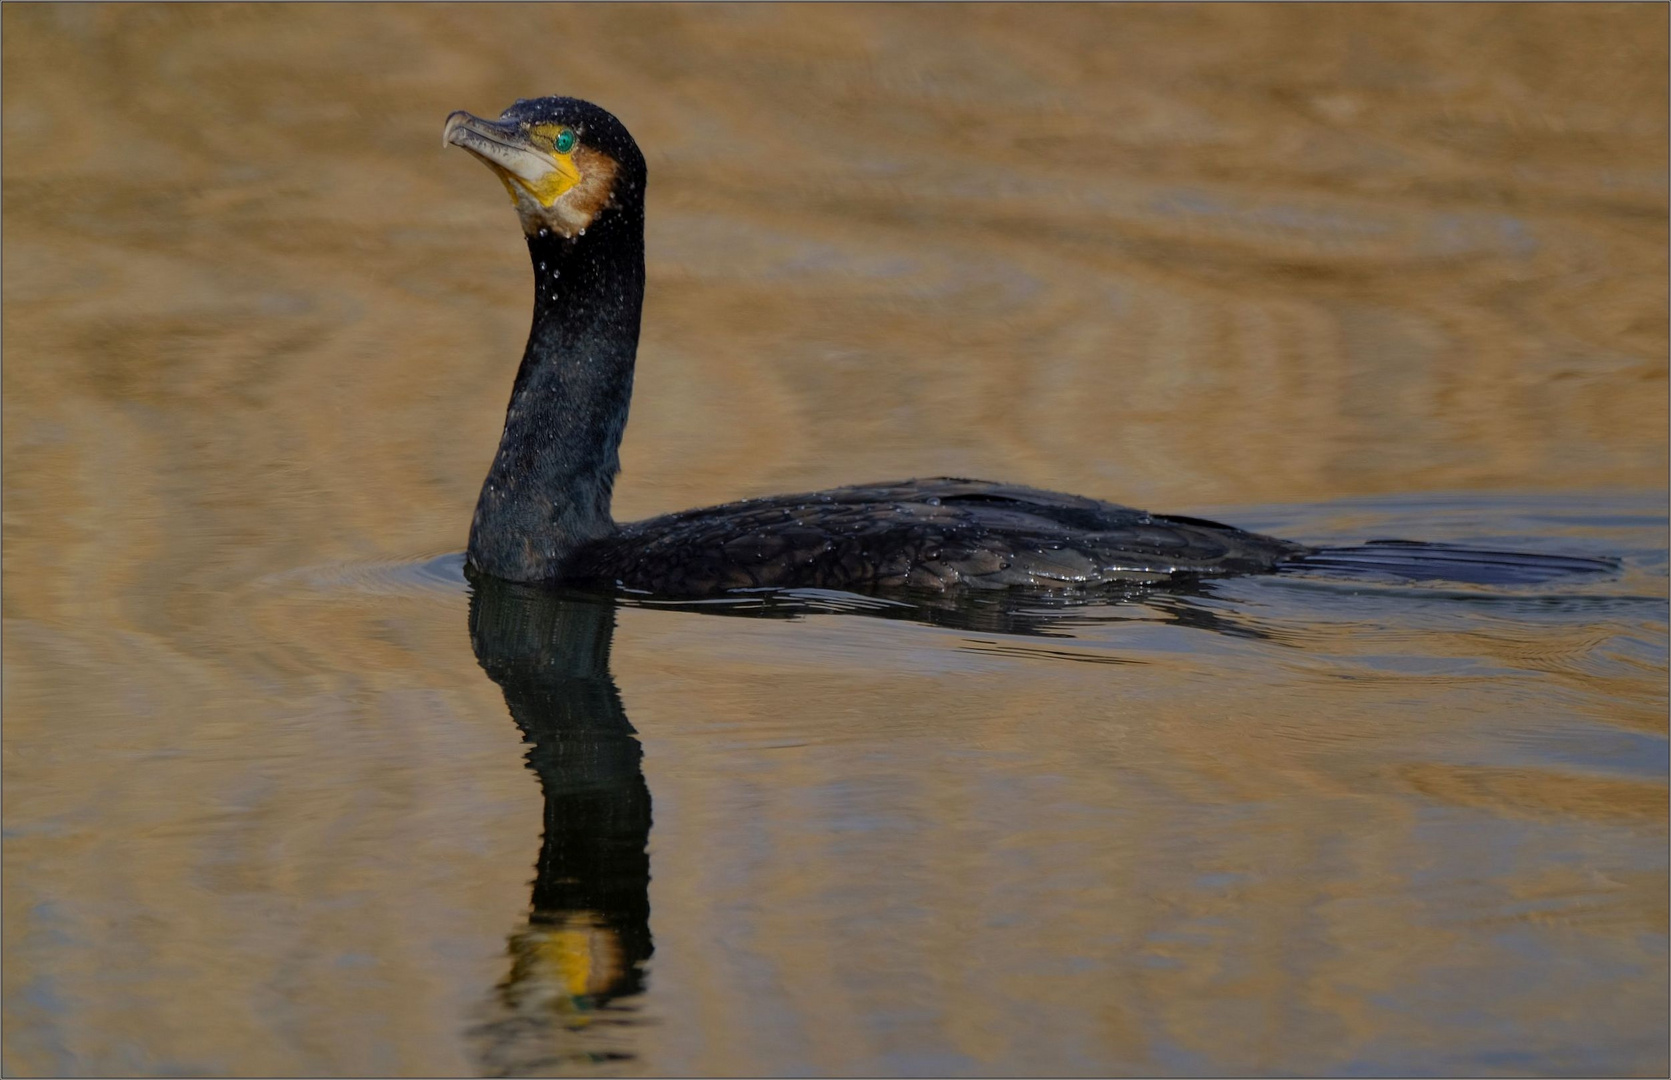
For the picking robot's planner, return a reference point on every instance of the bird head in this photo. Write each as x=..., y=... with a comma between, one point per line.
x=564, y=161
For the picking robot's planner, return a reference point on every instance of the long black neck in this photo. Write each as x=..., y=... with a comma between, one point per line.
x=549, y=488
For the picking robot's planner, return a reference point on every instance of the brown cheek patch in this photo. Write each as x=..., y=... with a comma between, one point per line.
x=575, y=208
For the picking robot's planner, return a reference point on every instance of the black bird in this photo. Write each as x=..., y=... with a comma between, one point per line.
x=576, y=178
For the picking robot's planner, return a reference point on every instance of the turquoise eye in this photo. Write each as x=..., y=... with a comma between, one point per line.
x=565, y=140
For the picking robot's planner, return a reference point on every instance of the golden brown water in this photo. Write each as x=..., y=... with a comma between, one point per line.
x=1330, y=272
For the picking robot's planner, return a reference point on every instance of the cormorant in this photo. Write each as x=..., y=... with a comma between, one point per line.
x=576, y=179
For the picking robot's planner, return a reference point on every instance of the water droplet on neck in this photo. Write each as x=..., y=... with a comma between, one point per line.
x=542, y=266
x=582, y=232
x=544, y=233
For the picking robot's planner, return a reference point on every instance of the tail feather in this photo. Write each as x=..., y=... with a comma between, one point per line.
x=1412, y=560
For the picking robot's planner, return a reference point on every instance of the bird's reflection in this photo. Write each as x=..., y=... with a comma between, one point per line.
x=578, y=962
x=1184, y=602
x=568, y=1002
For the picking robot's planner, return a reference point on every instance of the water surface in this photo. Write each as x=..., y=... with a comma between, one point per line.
x=283, y=796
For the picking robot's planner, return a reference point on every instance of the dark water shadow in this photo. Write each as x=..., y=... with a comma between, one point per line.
x=1183, y=602
x=569, y=1000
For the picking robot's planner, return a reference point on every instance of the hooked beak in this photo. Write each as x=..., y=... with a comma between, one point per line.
x=505, y=148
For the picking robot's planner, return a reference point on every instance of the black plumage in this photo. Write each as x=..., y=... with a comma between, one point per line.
x=921, y=535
